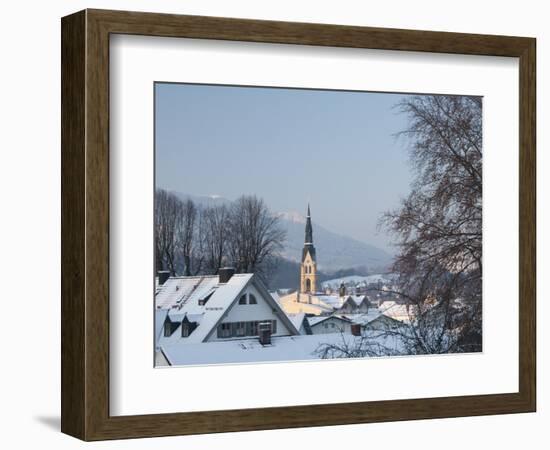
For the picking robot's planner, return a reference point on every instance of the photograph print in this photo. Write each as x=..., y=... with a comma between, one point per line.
x=306, y=224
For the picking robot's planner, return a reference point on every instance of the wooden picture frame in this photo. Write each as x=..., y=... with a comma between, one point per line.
x=85, y=224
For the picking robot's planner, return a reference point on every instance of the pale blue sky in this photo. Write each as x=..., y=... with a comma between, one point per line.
x=336, y=149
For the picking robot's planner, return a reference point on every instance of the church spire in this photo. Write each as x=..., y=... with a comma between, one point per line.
x=308, y=268
x=309, y=229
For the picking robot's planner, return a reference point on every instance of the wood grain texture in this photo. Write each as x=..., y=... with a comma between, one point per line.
x=73, y=227
x=85, y=224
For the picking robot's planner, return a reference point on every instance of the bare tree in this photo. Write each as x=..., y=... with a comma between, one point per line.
x=369, y=344
x=215, y=229
x=186, y=233
x=255, y=235
x=167, y=213
x=439, y=224
x=439, y=232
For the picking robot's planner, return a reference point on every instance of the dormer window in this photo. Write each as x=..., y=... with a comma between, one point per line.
x=202, y=301
x=169, y=327
x=252, y=299
x=242, y=300
x=185, y=330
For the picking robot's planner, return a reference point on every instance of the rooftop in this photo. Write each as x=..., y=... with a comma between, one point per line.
x=284, y=348
x=202, y=299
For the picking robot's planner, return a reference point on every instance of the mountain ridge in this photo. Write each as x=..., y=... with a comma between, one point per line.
x=334, y=251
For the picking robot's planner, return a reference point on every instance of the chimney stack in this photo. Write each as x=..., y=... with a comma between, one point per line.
x=264, y=332
x=225, y=274
x=163, y=276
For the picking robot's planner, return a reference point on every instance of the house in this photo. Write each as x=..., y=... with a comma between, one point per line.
x=306, y=300
x=198, y=309
x=330, y=324
x=355, y=304
x=375, y=320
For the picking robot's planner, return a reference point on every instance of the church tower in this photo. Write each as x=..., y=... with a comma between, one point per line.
x=308, y=268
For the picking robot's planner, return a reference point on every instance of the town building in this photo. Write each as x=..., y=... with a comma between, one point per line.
x=211, y=308
x=329, y=324
x=308, y=266
x=306, y=299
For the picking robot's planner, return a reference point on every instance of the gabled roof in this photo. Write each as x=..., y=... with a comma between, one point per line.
x=318, y=319
x=358, y=300
x=296, y=319
x=185, y=296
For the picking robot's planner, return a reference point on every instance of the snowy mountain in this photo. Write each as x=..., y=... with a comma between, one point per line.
x=334, y=251
x=205, y=200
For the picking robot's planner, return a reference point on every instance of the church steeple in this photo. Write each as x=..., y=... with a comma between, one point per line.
x=308, y=268
x=309, y=230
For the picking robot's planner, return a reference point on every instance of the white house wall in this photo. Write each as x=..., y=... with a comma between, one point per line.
x=247, y=313
x=332, y=326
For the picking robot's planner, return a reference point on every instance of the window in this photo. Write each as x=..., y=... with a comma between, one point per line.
x=252, y=328
x=224, y=330
x=202, y=301
x=239, y=328
x=242, y=300
x=184, y=330
x=167, y=328
x=252, y=299
x=273, y=326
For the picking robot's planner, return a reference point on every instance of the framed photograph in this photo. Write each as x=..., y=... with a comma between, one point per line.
x=273, y=225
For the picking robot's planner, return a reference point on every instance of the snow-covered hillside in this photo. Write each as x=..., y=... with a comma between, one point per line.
x=354, y=280
x=334, y=251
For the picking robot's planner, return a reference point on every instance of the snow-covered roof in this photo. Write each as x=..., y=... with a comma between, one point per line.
x=179, y=290
x=335, y=301
x=282, y=348
x=205, y=301
x=181, y=295
x=397, y=311
x=297, y=319
x=160, y=317
x=314, y=302
x=364, y=319
x=357, y=299
x=318, y=319
x=276, y=297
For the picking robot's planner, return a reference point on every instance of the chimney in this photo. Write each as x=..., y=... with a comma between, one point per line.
x=342, y=290
x=225, y=274
x=163, y=276
x=264, y=332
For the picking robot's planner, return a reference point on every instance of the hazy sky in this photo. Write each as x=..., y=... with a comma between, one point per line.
x=335, y=149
